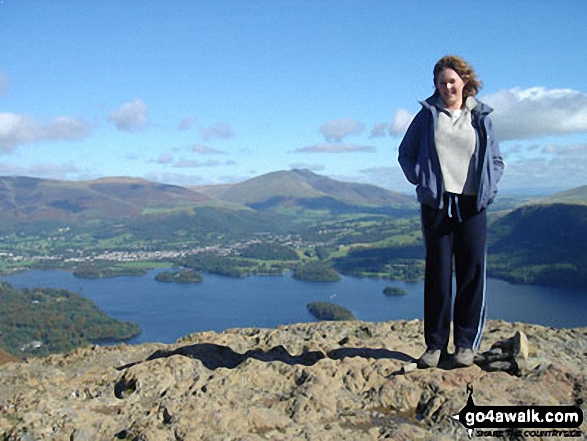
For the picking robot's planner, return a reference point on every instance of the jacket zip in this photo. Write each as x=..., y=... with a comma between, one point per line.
x=483, y=141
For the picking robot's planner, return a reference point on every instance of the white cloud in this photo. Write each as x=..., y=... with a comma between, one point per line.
x=64, y=127
x=168, y=159
x=165, y=158
x=337, y=130
x=45, y=171
x=205, y=150
x=175, y=178
x=131, y=116
x=537, y=112
x=336, y=148
x=557, y=167
x=131, y=156
x=3, y=84
x=186, y=123
x=575, y=152
x=525, y=113
x=23, y=129
x=400, y=122
x=306, y=166
x=378, y=130
x=388, y=177
x=184, y=163
x=217, y=130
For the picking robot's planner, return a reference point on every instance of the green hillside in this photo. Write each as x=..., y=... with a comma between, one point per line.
x=30, y=200
x=541, y=244
x=573, y=196
x=288, y=191
x=110, y=207
x=114, y=207
x=261, y=188
x=47, y=224
x=43, y=321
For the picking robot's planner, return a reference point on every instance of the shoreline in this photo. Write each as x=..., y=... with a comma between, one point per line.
x=147, y=269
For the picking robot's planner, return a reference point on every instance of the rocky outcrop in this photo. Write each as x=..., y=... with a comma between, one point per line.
x=316, y=381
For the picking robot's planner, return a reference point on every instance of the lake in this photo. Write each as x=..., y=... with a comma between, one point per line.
x=167, y=311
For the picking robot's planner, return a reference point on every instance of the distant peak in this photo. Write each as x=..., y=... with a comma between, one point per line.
x=121, y=180
x=303, y=171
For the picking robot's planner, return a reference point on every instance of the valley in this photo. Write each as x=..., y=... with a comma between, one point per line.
x=316, y=228
x=270, y=224
x=331, y=241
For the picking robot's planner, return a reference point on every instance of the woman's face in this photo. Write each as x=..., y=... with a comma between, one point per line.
x=450, y=86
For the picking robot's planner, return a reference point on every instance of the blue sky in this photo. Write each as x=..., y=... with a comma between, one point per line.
x=205, y=92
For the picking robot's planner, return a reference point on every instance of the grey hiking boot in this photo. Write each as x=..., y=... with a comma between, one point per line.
x=463, y=357
x=429, y=359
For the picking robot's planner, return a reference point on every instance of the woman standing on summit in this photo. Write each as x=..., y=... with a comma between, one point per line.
x=452, y=156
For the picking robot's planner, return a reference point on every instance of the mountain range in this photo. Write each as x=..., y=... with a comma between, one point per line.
x=26, y=201
x=540, y=241
x=24, y=198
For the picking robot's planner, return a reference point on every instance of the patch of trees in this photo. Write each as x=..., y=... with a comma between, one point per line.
x=320, y=252
x=542, y=245
x=105, y=270
x=206, y=221
x=395, y=263
x=316, y=271
x=270, y=270
x=231, y=266
x=329, y=311
x=221, y=265
x=522, y=271
x=179, y=277
x=43, y=321
x=409, y=270
x=394, y=291
x=269, y=251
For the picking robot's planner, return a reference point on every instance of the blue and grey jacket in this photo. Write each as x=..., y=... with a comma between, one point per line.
x=419, y=159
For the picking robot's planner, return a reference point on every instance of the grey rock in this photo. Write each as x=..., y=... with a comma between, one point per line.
x=504, y=366
x=521, y=352
x=409, y=367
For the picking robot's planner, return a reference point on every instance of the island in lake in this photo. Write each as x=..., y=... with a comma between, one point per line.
x=316, y=271
x=329, y=311
x=394, y=291
x=104, y=270
x=182, y=276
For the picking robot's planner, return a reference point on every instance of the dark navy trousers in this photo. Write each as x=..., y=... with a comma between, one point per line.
x=458, y=231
